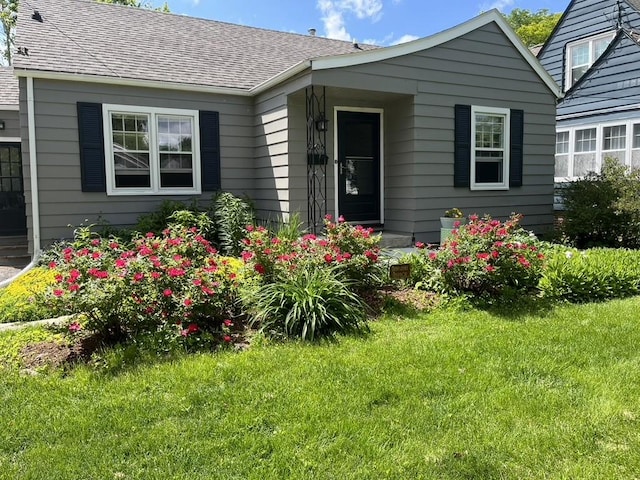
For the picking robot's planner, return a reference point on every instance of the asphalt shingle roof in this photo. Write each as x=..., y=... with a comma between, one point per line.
x=634, y=3
x=8, y=87
x=91, y=38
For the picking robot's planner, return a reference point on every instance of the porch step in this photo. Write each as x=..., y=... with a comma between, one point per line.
x=14, y=251
x=395, y=240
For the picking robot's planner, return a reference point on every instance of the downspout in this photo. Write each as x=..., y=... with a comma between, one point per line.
x=33, y=170
x=33, y=176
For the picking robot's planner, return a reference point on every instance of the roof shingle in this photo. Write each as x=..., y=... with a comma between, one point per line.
x=9, y=94
x=92, y=38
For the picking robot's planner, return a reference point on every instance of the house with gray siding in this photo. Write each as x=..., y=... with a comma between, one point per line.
x=118, y=115
x=594, y=55
x=12, y=206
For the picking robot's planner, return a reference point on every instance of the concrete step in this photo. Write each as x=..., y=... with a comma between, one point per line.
x=395, y=240
x=14, y=251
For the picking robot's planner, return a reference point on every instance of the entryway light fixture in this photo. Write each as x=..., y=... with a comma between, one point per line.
x=322, y=124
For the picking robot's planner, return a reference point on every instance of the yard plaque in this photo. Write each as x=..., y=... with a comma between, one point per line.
x=400, y=271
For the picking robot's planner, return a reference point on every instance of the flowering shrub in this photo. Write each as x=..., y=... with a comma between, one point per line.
x=352, y=250
x=488, y=256
x=173, y=281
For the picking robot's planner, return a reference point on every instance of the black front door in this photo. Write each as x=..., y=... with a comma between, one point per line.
x=359, y=166
x=13, y=219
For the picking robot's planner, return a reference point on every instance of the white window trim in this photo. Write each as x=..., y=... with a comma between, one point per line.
x=154, y=156
x=599, y=144
x=504, y=185
x=568, y=65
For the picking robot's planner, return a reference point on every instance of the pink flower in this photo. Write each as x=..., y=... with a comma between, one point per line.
x=483, y=256
x=53, y=264
x=75, y=327
x=95, y=242
x=275, y=241
x=491, y=268
x=524, y=262
x=114, y=245
x=328, y=258
x=150, y=235
x=259, y=268
x=176, y=272
x=250, y=228
x=341, y=219
x=227, y=338
x=156, y=275
x=246, y=256
x=74, y=287
x=328, y=217
x=420, y=245
x=167, y=292
x=138, y=277
x=188, y=302
x=228, y=323
x=371, y=255
x=58, y=293
x=433, y=255
x=120, y=263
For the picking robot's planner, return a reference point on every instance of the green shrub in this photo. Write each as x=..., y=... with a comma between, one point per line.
x=603, y=209
x=310, y=303
x=591, y=275
x=231, y=215
x=159, y=219
x=487, y=256
x=425, y=275
x=22, y=300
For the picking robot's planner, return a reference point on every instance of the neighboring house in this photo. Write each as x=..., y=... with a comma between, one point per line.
x=594, y=54
x=12, y=207
x=125, y=107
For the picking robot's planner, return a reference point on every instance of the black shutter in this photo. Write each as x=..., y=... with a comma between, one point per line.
x=462, y=146
x=210, y=151
x=515, y=153
x=91, y=137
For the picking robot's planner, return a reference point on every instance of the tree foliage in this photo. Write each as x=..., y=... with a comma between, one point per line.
x=534, y=28
x=9, y=14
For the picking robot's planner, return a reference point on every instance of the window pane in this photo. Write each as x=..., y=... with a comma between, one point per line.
x=577, y=73
x=489, y=131
x=619, y=155
x=614, y=137
x=489, y=167
x=636, y=136
x=586, y=140
x=562, y=142
x=599, y=46
x=635, y=159
x=562, y=166
x=131, y=150
x=580, y=54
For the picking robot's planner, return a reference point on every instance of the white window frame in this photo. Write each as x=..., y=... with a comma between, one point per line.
x=154, y=154
x=599, y=127
x=568, y=67
x=503, y=112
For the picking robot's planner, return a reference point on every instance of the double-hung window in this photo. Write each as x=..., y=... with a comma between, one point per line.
x=582, y=54
x=490, y=148
x=151, y=150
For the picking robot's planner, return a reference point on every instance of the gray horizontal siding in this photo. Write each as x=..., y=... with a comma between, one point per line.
x=481, y=68
x=61, y=199
x=11, y=119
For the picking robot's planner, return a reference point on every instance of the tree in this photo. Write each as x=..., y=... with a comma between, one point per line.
x=9, y=14
x=533, y=28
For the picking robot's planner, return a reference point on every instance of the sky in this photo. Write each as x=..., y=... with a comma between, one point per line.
x=381, y=22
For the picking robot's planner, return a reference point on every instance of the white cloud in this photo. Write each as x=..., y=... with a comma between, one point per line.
x=499, y=4
x=334, y=11
x=405, y=39
x=195, y=2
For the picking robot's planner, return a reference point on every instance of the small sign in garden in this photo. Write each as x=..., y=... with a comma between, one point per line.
x=400, y=271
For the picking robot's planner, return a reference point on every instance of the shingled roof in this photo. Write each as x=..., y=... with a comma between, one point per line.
x=91, y=38
x=8, y=87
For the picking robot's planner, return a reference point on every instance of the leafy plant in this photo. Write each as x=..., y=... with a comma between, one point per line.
x=453, y=213
x=591, y=275
x=231, y=215
x=603, y=209
x=310, y=303
x=159, y=219
x=21, y=301
x=487, y=256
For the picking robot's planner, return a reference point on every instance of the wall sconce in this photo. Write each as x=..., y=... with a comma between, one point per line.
x=322, y=124
x=1, y=125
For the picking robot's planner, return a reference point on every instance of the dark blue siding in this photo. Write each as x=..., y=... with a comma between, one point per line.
x=584, y=18
x=613, y=83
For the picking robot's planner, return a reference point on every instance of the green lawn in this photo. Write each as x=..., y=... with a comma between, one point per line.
x=445, y=395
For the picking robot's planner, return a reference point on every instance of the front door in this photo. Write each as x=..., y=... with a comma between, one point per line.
x=13, y=219
x=358, y=172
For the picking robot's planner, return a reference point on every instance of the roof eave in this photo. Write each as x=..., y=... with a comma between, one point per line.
x=281, y=77
x=360, y=58
x=131, y=82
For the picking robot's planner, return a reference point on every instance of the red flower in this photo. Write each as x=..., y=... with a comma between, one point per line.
x=259, y=268
x=371, y=255
x=188, y=302
x=75, y=327
x=491, y=268
x=138, y=277
x=167, y=292
x=246, y=256
x=227, y=338
x=228, y=323
x=114, y=245
x=433, y=255
x=341, y=219
x=420, y=245
x=150, y=235
x=328, y=258
x=58, y=293
x=156, y=275
x=483, y=256
x=53, y=264
x=74, y=287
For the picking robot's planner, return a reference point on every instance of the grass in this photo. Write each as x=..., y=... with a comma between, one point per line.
x=449, y=395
